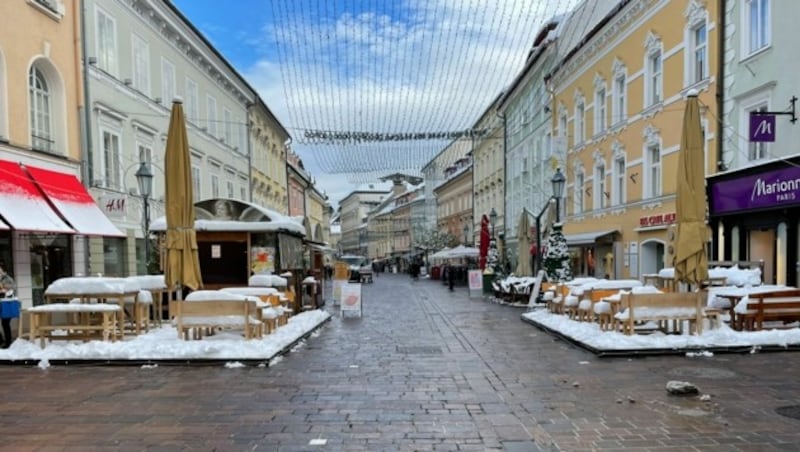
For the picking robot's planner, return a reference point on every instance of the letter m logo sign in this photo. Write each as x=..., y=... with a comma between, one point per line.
x=762, y=128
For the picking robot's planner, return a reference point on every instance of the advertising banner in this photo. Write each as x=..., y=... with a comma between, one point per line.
x=780, y=187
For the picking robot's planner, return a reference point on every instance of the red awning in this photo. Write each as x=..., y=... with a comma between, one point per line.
x=22, y=204
x=74, y=203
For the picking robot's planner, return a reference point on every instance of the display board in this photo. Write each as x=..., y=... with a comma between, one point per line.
x=351, y=299
x=475, y=278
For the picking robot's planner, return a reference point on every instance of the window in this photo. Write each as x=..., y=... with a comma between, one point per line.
x=699, y=64
x=111, y=159
x=580, y=116
x=227, y=127
x=106, y=42
x=620, y=91
x=600, y=111
x=654, y=77
x=229, y=186
x=578, y=194
x=41, y=111
x=214, y=186
x=562, y=124
x=654, y=170
x=196, y=183
x=167, y=82
x=619, y=181
x=242, y=193
x=212, y=116
x=757, y=150
x=141, y=64
x=757, y=24
x=145, y=152
x=192, y=101
x=600, y=186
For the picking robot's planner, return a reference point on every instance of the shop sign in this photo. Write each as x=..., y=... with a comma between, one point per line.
x=767, y=189
x=113, y=206
x=762, y=128
x=660, y=219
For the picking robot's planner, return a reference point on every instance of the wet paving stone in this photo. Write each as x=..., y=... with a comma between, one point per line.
x=423, y=369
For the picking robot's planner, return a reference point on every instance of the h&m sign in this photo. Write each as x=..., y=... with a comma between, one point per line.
x=113, y=206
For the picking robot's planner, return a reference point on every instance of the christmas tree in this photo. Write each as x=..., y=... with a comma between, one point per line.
x=556, y=258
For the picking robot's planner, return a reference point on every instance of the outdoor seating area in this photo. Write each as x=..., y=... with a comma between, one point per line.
x=96, y=308
x=603, y=313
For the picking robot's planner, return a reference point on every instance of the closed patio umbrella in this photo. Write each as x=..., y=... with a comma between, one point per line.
x=523, y=244
x=691, y=261
x=483, y=245
x=183, y=265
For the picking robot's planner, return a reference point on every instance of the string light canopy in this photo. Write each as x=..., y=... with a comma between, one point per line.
x=375, y=87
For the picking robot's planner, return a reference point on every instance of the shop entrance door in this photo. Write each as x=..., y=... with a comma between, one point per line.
x=761, y=246
x=50, y=260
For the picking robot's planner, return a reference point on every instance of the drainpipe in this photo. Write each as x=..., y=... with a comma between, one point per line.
x=720, y=97
x=505, y=166
x=720, y=94
x=85, y=121
x=248, y=127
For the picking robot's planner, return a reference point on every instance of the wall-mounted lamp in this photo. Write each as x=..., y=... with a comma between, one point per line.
x=547, y=109
x=128, y=82
x=608, y=195
x=92, y=60
x=589, y=191
x=633, y=177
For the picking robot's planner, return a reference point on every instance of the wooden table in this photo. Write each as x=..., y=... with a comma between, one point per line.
x=100, y=290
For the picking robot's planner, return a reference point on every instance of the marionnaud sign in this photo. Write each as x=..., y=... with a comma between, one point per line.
x=775, y=188
x=762, y=128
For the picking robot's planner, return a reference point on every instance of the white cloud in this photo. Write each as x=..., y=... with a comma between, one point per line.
x=416, y=66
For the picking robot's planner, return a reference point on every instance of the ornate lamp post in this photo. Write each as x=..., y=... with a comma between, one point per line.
x=466, y=234
x=492, y=219
x=558, y=181
x=144, y=177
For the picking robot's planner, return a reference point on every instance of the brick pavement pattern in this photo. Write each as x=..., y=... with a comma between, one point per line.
x=424, y=369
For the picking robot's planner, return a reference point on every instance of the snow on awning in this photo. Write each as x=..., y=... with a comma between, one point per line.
x=22, y=204
x=74, y=203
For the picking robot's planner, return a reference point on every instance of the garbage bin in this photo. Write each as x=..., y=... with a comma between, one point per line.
x=487, y=282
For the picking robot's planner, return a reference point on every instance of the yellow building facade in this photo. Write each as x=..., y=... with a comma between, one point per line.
x=268, y=140
x=619, y=99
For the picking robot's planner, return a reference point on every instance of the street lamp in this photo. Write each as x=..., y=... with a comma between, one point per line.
x=466, y=233
x=145, y=179
x=558, y=181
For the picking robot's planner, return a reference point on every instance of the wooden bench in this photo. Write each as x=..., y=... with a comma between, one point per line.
x=664, y=308
x=747, y=320
x=586, y=306
x=774, y=307
x=81, y=321
x=209, y=315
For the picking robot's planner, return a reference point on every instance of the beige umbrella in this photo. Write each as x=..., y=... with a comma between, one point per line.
x=523, y=245
x=183, y=265
x=691, y=261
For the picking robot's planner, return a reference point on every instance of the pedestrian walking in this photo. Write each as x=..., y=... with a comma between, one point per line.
x=451, y=276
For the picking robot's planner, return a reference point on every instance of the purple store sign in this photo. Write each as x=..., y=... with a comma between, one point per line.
x=776, y=188
x=762, y=128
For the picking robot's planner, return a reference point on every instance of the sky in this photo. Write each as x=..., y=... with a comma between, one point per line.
x=371, y=69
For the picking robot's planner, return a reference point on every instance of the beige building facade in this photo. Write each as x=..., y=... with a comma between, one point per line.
x=454, y=200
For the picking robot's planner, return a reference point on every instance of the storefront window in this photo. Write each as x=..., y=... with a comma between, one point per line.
x=114, y=257
x=262, y=253
x=6, y=259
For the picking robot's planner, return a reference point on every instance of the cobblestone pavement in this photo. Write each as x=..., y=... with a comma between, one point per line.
x=424, y=369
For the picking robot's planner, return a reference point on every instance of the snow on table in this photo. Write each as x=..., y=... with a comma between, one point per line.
x=92, y=285
x=267, y=281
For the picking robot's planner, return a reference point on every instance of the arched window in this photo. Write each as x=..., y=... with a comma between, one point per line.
x=41, y=111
